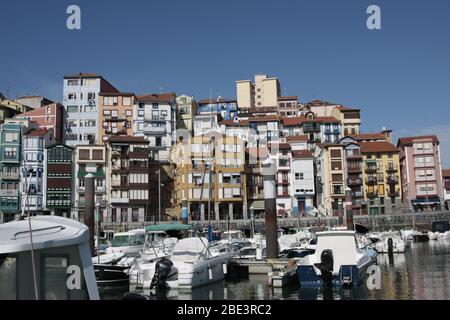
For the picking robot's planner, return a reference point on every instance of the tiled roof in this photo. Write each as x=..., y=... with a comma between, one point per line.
x=292, y=121
x=127, y=139
x=410, y=140
x=156, y=97
x=302, y=154
x=239, y=123
x=39, y=132
x=377, y=147
x=300, y=138
x=265, y=118
x=368, y=136
x=212, y=101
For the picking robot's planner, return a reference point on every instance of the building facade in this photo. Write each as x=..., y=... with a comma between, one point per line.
x=264, y=92
x=34, y=102
x=115, y=115
x=421, y=173
x=49, y=117
x=90, y=159
x=446, y=180
x=155, y=119
x=127, y=178
x=58, y=180
x=381, y=178
x=33, y=169
x=81, y=104
x=186, y=111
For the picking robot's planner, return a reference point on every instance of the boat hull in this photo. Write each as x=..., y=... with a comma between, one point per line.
x=349, y=275
x=109, y=274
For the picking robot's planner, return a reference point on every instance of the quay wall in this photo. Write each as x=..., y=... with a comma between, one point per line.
x=421, y=221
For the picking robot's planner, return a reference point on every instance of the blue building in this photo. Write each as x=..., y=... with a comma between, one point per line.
x=228, y=109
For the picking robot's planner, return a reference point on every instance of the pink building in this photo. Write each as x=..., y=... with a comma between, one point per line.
x=421, y=173
x=49, y=117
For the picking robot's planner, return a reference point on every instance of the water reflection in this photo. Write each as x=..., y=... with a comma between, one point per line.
x=422, y=272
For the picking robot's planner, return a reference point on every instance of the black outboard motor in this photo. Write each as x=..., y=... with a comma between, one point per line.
x=162, y=271
x=390, y=246
x=326, y=266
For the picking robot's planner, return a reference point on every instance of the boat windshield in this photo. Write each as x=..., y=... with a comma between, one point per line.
x=128, y=240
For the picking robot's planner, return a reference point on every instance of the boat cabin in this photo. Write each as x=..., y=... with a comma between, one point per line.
x=62, y=260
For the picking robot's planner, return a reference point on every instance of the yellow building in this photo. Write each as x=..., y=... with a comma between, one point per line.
x=115, y=116
x=381, y=179
x=224, y=183
x=10, y=108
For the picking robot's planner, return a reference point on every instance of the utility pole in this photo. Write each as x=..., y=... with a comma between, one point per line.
x=159, y=193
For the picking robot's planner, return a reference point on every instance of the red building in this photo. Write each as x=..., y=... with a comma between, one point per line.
x=49, y=117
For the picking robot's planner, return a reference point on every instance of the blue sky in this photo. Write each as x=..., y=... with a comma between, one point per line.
x=399, y=76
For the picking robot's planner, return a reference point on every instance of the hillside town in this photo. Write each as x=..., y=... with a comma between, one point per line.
x=154, y=155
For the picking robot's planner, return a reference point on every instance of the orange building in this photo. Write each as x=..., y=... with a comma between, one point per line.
x=115, y=115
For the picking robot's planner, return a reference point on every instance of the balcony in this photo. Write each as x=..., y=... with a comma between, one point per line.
x=308, y=128
x=354, y=169
x=10, y=175
x=371, y=180
x=162, y=146
x=371, y=169
x=283, y=181
x=156, y=131
x=392, y=180
x=120, y=200
x=9, y=193
x=115, y=118
x=354, y=181
x=392, y=168
x=357, y=194
x=283, y=194
x=372, y=194
x=393, y=194
x=100, y=189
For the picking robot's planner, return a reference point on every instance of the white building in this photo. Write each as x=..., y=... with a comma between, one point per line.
x=33, y=166
x=207, y=124
x=155, y=119
x=302, y=181
x=80, y=102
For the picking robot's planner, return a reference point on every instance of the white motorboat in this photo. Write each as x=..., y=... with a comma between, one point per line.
x=112, y=266
x=337, y=260
x=445, y=235
x=433, y=235
x=191, y=265
x=157, y=245
x=62, y=260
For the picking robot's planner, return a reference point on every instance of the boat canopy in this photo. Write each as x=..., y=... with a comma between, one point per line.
x=168, y=227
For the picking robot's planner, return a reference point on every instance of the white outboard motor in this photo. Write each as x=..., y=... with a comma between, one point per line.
x=258, y=244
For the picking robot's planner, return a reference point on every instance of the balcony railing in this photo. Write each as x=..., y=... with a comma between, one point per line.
x=393, y=194
x=392, y=168
x=357, y=194
x=371, y=169
x=10, y=175
x=354, y=169
x=155, y=130
x=372, y=194
x=115, y=118
x=371, y=180
x=310, y=128
x=120, y=200
x=9, y=193
x=354, y=182
x=392, y=179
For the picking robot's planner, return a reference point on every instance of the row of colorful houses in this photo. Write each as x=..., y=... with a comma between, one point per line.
x=153, y=152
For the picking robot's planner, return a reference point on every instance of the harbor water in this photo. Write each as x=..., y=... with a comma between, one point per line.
x=421, y=273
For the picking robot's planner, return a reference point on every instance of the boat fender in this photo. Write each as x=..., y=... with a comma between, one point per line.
x=224, y=266
x=210, y=273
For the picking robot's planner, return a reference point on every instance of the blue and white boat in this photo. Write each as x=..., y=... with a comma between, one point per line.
x=337, y=261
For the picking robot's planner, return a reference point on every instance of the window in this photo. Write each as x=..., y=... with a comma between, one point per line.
x=97, y=155
x=140, y=113
x=89, y=82
x=54, y=270
x=72, y=109
x=8, y=277
x=72, y=96
x=11, y=136
x=106, y=112
x=84, y=154
x=135, y=215
x=10, y=153
x=90, y=108
x=128, y=113
x=155, y=115
x=299, y=176
x=91, y=96
x=155, y=106
x=90, y=123
x=110, y=101
x=126, y=101
x=72, y=82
